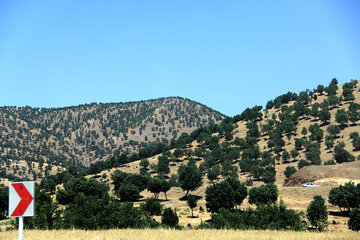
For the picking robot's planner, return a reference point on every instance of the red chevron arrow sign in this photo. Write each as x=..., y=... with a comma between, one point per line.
x=21, y=199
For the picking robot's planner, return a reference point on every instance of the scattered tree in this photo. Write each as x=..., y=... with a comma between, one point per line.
x=317, y=213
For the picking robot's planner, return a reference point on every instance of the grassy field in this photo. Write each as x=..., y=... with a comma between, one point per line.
x=160, y=234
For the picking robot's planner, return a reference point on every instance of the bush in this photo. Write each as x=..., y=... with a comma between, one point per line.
x=263, y=194
x=345, y=196
x=274, y=217
x=290, y=170
x=341, y=155
x=128, y=192
x=330, y=162
x=249, y=182
x=169, y=218
x=269, y=175
x=317, y=213
x=75, y=186
x=213, y=172
x=354, y=220
x=152, y=206
x=225, y=194
x=303, y=163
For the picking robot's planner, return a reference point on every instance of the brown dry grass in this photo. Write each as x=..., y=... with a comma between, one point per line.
x=160, y=234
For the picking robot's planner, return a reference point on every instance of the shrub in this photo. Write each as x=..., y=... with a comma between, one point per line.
x=345, y=196
x=330, y=162
x=263, y=194
x=128, y=192
x=169, y=218
x=354, y=220
x=225, y=194
x=269, y=175
x=270, y=216
x=152, y=206
x=249, y=182
x=303, y=163
x=341, y=155
x=290, y=170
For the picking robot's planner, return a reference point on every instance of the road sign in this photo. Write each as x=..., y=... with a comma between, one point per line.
x=21, y=199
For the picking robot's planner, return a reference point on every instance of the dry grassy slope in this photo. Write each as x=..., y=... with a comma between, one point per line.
x=325, y=154
x=93, y=132
x=295, y=197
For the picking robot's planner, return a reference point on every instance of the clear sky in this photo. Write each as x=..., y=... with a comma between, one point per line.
x=228, y=55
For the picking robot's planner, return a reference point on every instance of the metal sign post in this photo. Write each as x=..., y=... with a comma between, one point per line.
x=21, y=202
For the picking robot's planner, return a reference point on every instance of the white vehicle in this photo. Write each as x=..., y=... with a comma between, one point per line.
x=310, y=184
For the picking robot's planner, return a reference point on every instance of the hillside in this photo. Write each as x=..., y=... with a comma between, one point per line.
x=249, y=145
x=37, y=142
x=316, y=133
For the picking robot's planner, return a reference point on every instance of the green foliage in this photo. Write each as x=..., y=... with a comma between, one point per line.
x=263, y=194
x=47, y=214
x=285, y=156
x=253, y=130
x=128, y=192
x=118, y=178
x=329, y=141
x=354, y=220
x=173, y=181
x=346, y=196
x=332, y=88
x=152, y=206
x=4, y=200
x=294, y=153
x=313, y=156
x=333, y=130
x=155, y=186
x=330, y=162
x=169, y=218
x=93, y=213
x=269, y=216
x=190, y=177
x=341, y=155
x=249, y=182
x=228, y=168
x=353, y=112
x=251, y=114
x=348, y=91
x=192, y=203
x=225, y=194
x=89, y=187
x=144, y=163
x=317, y=213
x=213, y=172
x=165, y=187
x=299, y=143
x=333, y=100
x=163, y=165
x=290, y=170
x=316, y=133
x=269, y=175
x=178, y=152
x=342, y=118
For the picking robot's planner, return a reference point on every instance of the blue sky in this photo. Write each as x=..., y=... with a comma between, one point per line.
x=228, y=55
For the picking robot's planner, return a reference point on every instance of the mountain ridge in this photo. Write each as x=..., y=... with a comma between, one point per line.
x=82, y=134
